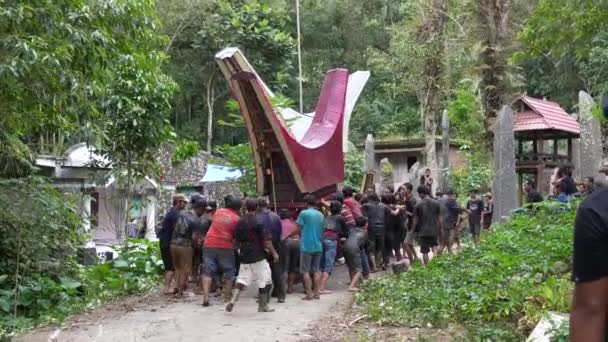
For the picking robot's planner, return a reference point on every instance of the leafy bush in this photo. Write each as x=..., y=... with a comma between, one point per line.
x=42, y=299
x=476, y=176
x=41, y=229
x=353, y=167
x=184, y=149
x=515, y=276
x=239, y=157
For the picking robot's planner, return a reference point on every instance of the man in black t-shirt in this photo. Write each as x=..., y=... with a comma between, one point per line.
x=254, y=240
x=588, y=320
x=427, y=222
x=475, y=209
x=376, y=214
x=164, y=238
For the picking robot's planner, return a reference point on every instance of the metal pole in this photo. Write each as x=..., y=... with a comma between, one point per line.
x=299, y=57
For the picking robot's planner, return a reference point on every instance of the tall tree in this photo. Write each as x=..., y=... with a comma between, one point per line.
x=82, y=71
x=199, y=29
x=496, y=34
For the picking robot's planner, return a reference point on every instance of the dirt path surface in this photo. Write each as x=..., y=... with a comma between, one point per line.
x=157, y=318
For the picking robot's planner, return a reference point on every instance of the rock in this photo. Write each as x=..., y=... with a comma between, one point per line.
x=505, y=179
x=400, y=267
x=542, y=329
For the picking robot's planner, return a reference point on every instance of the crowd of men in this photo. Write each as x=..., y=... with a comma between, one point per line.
x=244, y=243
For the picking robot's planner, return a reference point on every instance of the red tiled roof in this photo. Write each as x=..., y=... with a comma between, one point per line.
x=544, y=115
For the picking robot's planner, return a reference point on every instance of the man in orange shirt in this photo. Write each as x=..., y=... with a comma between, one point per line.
x=218, y=255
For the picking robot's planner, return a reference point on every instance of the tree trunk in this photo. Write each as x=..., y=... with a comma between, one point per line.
x=494, y=34
x=210, y=104
x=431, y=34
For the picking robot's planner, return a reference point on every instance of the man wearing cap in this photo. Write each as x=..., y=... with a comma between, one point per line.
x=218, y=255
x=187, y=225
x=588, y=320
x=164, y=238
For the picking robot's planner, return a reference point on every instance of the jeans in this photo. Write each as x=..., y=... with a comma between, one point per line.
x=364, y=262
x=330, y=248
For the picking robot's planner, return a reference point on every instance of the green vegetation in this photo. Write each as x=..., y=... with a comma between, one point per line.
x=477, y=175
x=43, y=297
x=498, y=291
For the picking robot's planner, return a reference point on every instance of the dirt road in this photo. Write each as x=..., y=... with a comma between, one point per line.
x=157, y=318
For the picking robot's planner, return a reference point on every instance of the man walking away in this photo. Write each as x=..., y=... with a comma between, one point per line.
x=164, y=238
x=588, y=320
x=218, y=255
x=475, y=209
x=427, y=220
x=290, y=248
x=254, y=240
x=311, y=222
x=334, y=228
x=272, y=223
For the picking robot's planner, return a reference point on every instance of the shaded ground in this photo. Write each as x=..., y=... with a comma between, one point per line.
x=155, y=317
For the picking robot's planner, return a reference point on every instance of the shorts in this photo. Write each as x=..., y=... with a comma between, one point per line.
x=410, y=237
x=165, y=254
x=475, y=227
x=330, y=248
x=182, y=258
x=426, y=243
x=310, y=262
x=216, y=260
x=291, y=256
x=353, y=259
x=375, y=243
x=258, y=272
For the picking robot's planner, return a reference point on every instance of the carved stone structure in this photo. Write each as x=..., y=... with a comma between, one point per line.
x=590, y=142
x=505, y=179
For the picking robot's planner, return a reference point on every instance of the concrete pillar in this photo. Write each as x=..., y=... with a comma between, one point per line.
x=85, y=211
x=151, y=217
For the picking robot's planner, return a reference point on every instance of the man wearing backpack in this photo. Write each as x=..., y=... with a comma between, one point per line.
x=186, y=225
x=254, y=241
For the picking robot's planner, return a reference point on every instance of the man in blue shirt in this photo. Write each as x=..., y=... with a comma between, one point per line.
x=310, y=222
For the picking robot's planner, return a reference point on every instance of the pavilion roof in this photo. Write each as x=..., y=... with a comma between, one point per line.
x=542, y=115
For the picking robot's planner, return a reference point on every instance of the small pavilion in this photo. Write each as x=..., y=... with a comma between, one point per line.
x=544, y=133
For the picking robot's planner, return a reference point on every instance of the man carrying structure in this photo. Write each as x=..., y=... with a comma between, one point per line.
x=254, y=241
x=311, y=223
x=427, y=222
x=164, y=238
x=218, y=255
